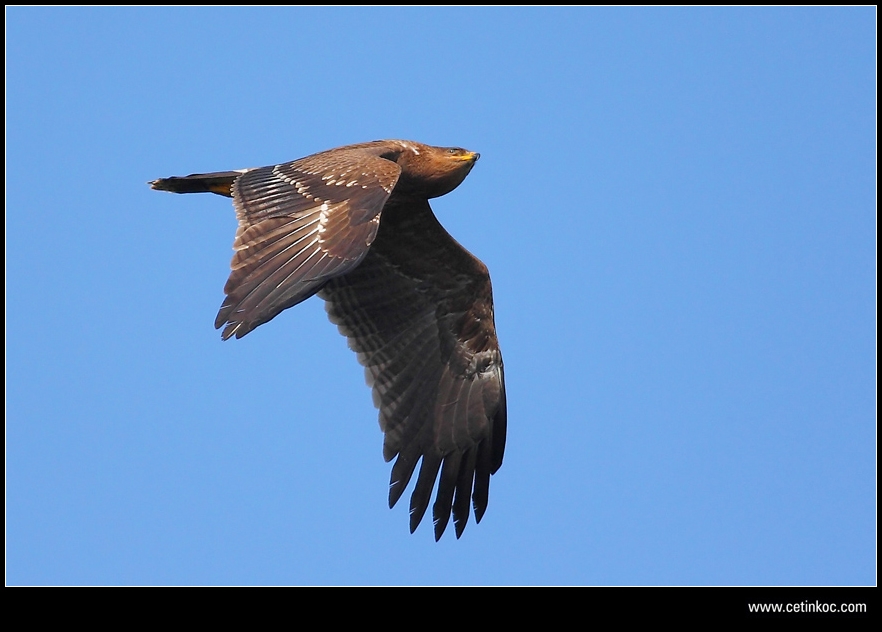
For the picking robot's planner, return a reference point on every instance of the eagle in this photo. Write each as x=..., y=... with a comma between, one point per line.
x=354, y=226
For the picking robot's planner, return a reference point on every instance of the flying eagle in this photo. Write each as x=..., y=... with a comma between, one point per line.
x=354, y=226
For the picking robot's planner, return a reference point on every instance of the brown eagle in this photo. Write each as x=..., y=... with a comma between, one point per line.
x=354, y=226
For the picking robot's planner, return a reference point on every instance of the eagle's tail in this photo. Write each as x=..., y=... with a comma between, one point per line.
x=220, y=183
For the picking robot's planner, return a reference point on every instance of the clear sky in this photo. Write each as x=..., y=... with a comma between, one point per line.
x=678, y=210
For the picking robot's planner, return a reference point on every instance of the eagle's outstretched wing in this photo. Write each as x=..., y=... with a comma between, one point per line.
x=418, y=310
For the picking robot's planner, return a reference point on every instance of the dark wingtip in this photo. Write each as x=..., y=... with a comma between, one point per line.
x=396, y=489
x=459, y=526
x=417, y=511
x=440, y=527
x=479, y=500
x=479, y=513
x=231, y=328
x=415, y=518
x=228, y=331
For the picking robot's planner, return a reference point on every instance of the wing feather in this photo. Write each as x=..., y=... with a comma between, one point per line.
x=463, y=492
x=419, y=500
x=446, y=486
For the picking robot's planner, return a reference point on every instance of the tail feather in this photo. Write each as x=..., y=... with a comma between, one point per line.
x=220, y=183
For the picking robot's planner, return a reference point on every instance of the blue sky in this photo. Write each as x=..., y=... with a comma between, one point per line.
x=678, y=210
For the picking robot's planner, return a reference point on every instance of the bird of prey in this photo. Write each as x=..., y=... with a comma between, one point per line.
x=353, y=225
